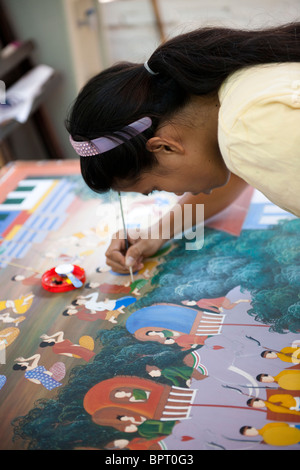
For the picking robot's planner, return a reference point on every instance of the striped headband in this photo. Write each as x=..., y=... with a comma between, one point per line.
x=104, y=144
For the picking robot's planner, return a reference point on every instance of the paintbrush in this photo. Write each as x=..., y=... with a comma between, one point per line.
x=125, y=234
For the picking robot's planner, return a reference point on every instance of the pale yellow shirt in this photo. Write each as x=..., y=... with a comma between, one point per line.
x=259, y=130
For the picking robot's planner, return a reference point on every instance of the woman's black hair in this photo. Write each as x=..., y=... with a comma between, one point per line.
x=194, y=63
x=45, y=344
x=19, y=367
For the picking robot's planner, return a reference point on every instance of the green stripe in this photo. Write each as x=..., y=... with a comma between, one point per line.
x=13, y=201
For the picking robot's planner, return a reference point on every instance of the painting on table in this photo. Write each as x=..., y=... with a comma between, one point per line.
x=201, y=351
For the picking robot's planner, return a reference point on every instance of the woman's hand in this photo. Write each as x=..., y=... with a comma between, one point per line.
x=143, y=247
x=138, y=250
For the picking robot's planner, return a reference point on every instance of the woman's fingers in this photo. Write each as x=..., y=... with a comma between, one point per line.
x=120, y=260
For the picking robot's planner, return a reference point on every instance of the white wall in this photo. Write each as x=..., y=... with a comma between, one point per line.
x=133, y=36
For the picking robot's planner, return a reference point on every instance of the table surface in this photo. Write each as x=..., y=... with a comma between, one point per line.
x=171, y=361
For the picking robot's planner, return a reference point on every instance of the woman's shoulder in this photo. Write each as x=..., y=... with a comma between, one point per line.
x=280, y=73
x=258, y=127
x=251, y=85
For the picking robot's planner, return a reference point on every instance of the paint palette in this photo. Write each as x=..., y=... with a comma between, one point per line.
x=54, y=282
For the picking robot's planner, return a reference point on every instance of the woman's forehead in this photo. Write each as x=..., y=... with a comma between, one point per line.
x=141, y=186
x=147, y=178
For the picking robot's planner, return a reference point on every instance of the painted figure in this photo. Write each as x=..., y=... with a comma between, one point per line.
x=176, y=375
x=92, y=303
x=8, y=336
x=28, y=281
x=274, y=434
x=65, y=347
x=127, y=288
x=278, y=403
x=287, y=379
x=20, y=305
x=138, y=443
x=7, y=318
x=287, y=354
x=36, y=374
x=85, y=314
x=215, y=305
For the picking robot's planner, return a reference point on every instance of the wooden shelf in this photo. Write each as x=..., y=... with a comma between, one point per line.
x=13, y=66
x=22, y=52
x=8, y=127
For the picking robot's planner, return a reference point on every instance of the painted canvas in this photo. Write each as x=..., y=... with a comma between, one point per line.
x=200, y=352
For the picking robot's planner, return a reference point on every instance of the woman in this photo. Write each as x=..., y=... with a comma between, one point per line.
x=211, y=110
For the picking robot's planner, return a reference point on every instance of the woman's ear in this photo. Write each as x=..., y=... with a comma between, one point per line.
x=164, y=145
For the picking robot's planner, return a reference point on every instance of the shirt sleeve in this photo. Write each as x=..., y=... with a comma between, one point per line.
x=261, y=142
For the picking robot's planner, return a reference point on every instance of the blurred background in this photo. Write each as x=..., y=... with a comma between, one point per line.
x=49, y=49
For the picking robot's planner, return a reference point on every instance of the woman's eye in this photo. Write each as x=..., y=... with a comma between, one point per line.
x=153, y=190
